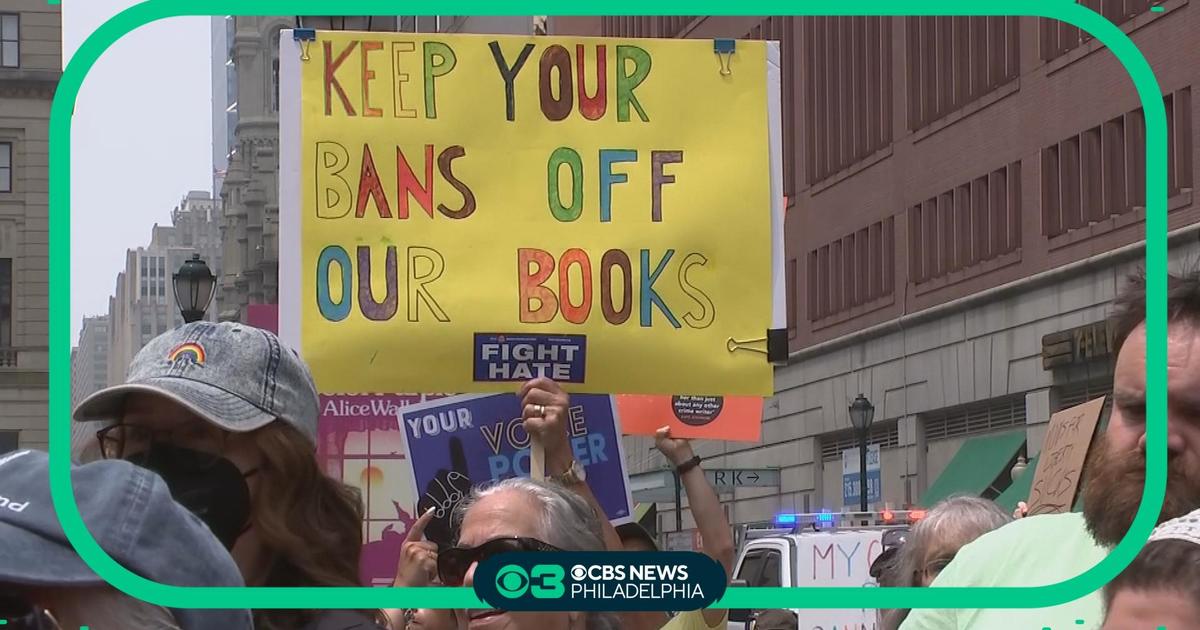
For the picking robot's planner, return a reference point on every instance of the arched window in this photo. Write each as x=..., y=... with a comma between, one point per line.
x=275, y=70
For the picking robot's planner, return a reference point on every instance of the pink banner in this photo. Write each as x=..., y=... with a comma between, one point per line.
x=264, y=316
x=359, y=443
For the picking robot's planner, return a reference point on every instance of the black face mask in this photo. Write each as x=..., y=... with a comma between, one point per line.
x=211, y=487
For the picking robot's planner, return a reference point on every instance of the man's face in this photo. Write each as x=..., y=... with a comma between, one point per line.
x=1116, y=467
x=1151, y=609
x=502, y=515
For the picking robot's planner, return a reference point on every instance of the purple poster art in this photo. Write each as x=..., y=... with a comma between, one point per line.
x=360, y=444
x=460, y=442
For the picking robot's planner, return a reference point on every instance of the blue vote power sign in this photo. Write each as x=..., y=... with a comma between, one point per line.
x=460, y=442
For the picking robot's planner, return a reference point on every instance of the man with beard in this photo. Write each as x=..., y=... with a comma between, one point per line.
x=1048, y=549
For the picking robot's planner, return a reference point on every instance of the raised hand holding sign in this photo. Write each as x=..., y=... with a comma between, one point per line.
x=544, y=411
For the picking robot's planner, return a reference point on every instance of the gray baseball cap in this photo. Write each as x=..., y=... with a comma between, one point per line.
x=133, y=518
x=237, y=377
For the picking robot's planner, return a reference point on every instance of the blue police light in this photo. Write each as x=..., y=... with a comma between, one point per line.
x=825, y=517
x=785, y=519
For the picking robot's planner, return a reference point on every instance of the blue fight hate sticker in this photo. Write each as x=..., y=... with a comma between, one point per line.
x=614, y=580
x=503, y=357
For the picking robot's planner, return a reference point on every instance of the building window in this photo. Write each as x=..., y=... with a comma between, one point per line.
x=955, y=60
x=646, y=26
x=975, y=222
x=783, y=30
x=848, y=116
x=985, y=417
x=6, y=167
x=1080, y=393
x=8, y=441
x=1059, y=38
x=851, y=271
x=10, y=40
x=275, y=84
x=428, y=23
x=885, y=435
x=791, y=296
x=1101, y=172
x=6, y=300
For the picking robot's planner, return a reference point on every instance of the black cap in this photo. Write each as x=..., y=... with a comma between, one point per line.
x=881, y=563
x=893, y=540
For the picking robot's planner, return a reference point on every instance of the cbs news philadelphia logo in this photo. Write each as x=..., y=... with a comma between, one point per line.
x=675, y=581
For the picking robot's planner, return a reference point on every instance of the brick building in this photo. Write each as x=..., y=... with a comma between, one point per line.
x=961, y=191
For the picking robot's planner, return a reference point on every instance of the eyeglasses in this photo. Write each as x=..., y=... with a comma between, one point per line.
x=120, y=441
x=19, y=614
x=937, y=565
x=454, y=562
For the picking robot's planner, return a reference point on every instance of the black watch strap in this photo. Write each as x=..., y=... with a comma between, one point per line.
x=688, y=465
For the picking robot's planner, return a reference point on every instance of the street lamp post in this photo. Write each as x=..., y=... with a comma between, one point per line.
x=194, y=286
x=862, y=412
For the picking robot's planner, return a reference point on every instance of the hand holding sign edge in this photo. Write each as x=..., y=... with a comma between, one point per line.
x=544, y=410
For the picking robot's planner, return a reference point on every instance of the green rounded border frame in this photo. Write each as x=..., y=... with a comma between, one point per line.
x=825, y=597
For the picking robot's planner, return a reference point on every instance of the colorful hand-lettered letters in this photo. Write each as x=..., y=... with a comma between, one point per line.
x=475, y=210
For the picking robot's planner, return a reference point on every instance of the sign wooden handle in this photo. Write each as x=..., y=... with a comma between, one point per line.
x=537, y=459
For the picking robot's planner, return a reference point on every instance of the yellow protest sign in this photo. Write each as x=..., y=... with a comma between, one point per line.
x=471, y=211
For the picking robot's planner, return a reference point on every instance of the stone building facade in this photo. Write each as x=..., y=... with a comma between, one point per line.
x=30, y=67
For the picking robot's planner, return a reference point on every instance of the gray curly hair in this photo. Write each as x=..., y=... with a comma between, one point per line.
x=566, y=521
x=947, y=526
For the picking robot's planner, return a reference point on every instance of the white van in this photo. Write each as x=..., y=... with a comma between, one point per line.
x=791, y=557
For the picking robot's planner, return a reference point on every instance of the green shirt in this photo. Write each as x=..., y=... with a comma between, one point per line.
x=1032, y=551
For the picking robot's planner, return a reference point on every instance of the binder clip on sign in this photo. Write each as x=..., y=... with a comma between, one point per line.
x=724, y=49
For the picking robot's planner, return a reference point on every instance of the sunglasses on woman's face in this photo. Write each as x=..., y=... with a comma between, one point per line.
x=453, y=563
x=16, y=613
x=935, y=567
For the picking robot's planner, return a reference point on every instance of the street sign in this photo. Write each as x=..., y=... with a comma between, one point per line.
x=850, y=483
x=730, y=478
x=659, y=485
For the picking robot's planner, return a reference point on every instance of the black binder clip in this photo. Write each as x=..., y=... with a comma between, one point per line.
x=305, y=36
x=724, y=49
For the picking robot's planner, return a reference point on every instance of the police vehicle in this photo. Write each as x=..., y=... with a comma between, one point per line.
x=817, y=550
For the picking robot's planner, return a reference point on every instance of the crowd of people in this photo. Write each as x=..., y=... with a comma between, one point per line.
x=209, y=477
x=1048, y=549
x=224, y=442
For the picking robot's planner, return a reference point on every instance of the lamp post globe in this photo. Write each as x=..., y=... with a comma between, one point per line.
x=194, y=286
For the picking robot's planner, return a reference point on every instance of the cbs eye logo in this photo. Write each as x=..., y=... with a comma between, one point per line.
x=544, y=581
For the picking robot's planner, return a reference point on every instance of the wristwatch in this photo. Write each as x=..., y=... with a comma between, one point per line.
x=572, y=475
x=688, y=465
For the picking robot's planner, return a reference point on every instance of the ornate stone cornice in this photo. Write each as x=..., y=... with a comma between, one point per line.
x=28, y=83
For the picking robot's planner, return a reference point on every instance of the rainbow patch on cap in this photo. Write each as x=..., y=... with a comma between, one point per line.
x=191, y=351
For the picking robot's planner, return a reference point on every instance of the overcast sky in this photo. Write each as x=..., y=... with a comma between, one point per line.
x=141, y=139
